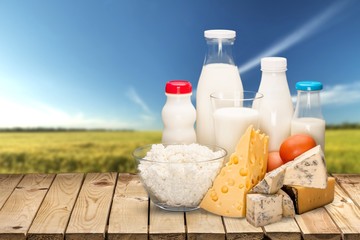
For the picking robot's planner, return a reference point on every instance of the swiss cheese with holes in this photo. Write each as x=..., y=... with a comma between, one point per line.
x=246, y=167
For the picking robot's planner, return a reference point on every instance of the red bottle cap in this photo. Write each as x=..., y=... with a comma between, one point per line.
x=178, y=87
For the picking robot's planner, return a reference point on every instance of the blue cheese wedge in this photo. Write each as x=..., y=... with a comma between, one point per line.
x=307, y=170
x=288, y=208
x=263, y=209
x=272, y=182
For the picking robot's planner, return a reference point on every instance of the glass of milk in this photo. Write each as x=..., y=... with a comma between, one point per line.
x=232, y=115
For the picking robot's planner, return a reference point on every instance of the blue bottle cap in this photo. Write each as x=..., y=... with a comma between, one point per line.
x=309, y=86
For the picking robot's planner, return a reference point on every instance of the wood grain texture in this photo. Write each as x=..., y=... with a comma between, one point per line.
x=165, y=224
x=90, y=214
x=345, y=214
x=204, y=225
x=317, y=224
x=54, y=214
x=239, y=228
x=20, y=209
x=129, y=212
x=286, y=229
x=8, y=183
x=351, y=184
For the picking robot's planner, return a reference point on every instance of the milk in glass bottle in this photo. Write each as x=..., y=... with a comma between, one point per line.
x=308, y=116
x=276, y=108
x=219, y=73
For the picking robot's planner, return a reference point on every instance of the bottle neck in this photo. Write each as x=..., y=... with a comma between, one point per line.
x=178, y=97
x=271, y=81
x=308, y=104
x=219, y=51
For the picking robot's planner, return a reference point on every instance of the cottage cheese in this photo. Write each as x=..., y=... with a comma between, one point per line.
x=179, y=175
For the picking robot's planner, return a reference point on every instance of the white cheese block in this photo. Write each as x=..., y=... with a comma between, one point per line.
x=307, y=170
x=287, y=205
x=272, y=182
x=262, y=209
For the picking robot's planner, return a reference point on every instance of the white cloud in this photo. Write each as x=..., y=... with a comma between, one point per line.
x=297, y=36
x=32, y=114
x=341, y=94
x=134, y=97
x=29, y=113
x=146, y=114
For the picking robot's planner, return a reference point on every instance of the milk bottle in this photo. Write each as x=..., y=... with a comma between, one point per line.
x=178, y=113
x=219, y=73
x=276, y=108
x=308, y=116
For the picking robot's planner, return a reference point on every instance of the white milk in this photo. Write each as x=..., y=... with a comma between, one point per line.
x=276, y=108
x=230, y=125
x=315, y=127
x=214, y=77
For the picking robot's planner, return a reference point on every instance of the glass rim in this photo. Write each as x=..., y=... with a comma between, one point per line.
x=214, y=148
x=256, y=95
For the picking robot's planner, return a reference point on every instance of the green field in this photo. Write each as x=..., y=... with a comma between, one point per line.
x=45, y=152
x=23, y=152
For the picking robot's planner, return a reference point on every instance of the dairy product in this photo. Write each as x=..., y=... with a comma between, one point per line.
x=214, y=77
x=230, y=124
x=179, y=175
x=276, y=108
x=246, y=167
x=315, y=127
x=307, y=199
x=272, y=181
x=263, y=209
x=288, y=208
x=178, y=113
x=308, y=116
x=307, y=170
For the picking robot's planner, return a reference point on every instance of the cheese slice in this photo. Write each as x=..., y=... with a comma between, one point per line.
x=246, y=167
x=263, y=209
x=288, y=208
x=272, y=182
x=306, y=199
x=307, y=170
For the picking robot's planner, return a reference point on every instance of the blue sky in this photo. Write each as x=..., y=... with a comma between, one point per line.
x=104, y=64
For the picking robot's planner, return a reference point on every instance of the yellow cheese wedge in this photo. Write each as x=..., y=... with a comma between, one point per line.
x=306, y=199
x=246, y=167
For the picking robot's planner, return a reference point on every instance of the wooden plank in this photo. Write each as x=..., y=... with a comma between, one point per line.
x=239, y=228
x=286, y=229
x=165, y=224
x=54, y=213
x=204, y=225
x=90, y=214
x=8, y=183
x=129, y=212
x=19, y=211
x=317, y=224
x=345, y=214
x=351, y=184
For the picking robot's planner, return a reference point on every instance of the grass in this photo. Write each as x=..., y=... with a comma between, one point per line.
x=54, y=152
x=48, y=152
x=342, y=150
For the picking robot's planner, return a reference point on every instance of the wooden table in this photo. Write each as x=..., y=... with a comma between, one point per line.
x=115, y=206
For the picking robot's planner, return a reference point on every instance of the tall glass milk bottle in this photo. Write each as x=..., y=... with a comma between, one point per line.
x=219, y=73
x=276, y=108
x=308, y=116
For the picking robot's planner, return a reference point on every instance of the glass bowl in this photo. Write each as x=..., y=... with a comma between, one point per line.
x=177, y=176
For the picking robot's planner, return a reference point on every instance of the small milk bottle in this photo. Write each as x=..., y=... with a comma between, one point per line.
x=276, y=108
x=219, y=73
x=178, y=113
x=308, y=117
